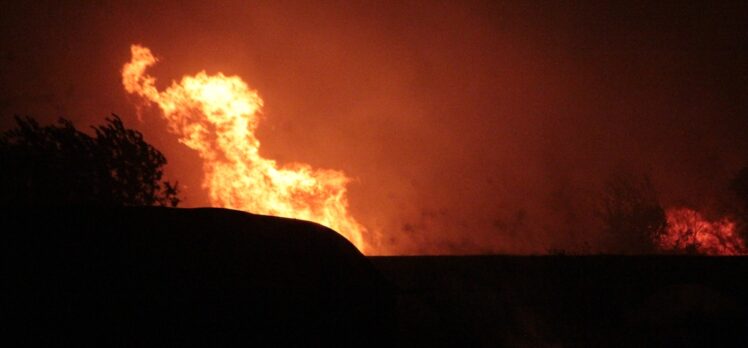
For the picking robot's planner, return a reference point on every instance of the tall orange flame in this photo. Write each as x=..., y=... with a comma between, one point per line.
x=688, y=230
x=217, y=116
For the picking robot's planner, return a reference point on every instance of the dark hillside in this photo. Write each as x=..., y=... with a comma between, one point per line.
x=215, y=277
x=142, y=277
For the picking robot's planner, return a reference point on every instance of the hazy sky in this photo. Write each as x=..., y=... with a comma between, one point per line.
x=468, y=127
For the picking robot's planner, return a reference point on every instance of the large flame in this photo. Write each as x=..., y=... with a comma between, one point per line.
x=687, y=230
x=217, y=116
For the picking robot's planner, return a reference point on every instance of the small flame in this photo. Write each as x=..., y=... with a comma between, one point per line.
x=217, y=116
x=687, y=230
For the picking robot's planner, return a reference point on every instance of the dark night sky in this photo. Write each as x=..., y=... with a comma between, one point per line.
x=469, y=127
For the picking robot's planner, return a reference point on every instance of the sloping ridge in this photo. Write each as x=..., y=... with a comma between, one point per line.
x=185, y=277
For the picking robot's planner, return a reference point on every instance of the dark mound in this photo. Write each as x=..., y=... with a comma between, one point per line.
x=184, y=277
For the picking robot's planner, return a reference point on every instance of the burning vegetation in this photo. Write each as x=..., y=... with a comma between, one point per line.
x=688, y=231
x=634, y=218
x=217, y=116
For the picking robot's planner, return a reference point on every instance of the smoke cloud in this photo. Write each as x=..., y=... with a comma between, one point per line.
x=467, y=128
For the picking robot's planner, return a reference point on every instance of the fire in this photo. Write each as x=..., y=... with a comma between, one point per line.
x=217, y=115
x=687, y=230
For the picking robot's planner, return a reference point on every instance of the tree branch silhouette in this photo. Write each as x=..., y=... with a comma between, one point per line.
x=60, y=165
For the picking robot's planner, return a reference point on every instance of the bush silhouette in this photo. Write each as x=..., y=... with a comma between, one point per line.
x=739, y=186
x=632, y=214
x=60, y=165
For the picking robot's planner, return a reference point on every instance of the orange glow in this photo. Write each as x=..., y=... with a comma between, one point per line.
x=217, y=115
x=687, y=230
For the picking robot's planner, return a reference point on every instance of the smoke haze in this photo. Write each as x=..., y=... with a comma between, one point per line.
x=468, y=128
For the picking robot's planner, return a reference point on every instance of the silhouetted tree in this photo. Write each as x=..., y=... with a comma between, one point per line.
x=739, y=185
x=632, y=214
x=60, y=165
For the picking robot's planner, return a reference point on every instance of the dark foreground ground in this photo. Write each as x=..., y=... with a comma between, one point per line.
x=570, y=301
x=161, y=277
x=157, y=277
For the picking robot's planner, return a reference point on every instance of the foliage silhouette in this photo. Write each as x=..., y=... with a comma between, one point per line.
x=739, y=186
x=631, y=214
x=60, y=165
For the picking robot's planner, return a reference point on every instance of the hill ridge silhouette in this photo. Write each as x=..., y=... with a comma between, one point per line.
x=146, y=276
